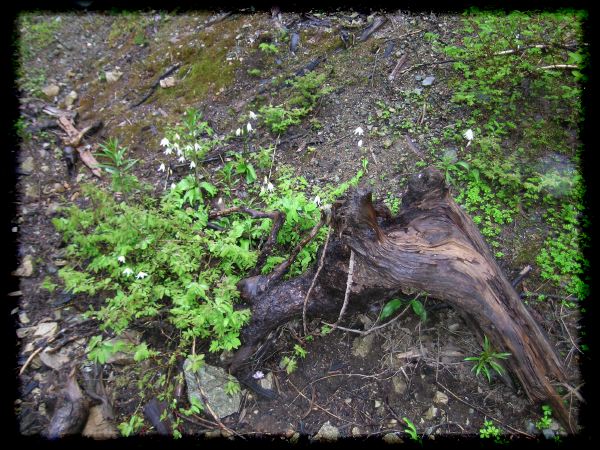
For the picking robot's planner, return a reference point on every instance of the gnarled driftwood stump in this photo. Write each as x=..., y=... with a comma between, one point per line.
x=431, y=246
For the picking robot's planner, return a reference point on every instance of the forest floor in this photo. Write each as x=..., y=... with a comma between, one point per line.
x=364, y=386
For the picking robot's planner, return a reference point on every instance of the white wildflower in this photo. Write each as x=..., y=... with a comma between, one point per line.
x=164, y=142
x=177, y=137
x=359, y=131
x=360, y=143
x=121, y=259
x=252, y=117
x=168, y=151
x=127, y=271
x=162, y=167
x=197, y=147
x=192, y=164
x=238, y=131
x=317, y=200
x=249, y=127
x=270, y=187
x=141, y=275
x=181, y=159
x=173, y=185
x=258, y=375
x=468, y=135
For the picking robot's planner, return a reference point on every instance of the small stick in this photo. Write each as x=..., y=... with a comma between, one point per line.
x=215, y=417
x=370, y=330
x=312, y=285
x=316, y=404
x=399, y=65
x=559, y=66
x=33, y=355
x=348, y=286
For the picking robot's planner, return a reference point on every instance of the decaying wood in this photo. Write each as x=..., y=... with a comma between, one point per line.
x=74, y=137
x=432, y=246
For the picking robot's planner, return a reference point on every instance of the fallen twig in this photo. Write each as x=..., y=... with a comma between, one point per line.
x=348, y=288
x=370, y=330
x=312, y=285
x=399, y=65
x=559, y=66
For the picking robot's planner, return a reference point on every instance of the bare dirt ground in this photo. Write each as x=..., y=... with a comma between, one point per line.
x=364, y=386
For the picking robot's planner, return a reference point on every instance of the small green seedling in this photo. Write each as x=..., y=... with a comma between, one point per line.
x=411, y=430
x=487, y=359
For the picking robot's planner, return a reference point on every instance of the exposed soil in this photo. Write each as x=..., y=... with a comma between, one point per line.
x=364, y=386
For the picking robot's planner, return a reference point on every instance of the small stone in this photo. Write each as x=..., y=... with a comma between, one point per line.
x=377, y=404
x=213, y=434
x=167, y=82
x=355, y=431
x=347, y=401
x=440, y=398
x=70, y=98
x=399, y=385
x=211, y=381
x=548, y=433
x=428, y=81
x=453, y=327
x=24, y=332
x=51, y=91
x=295, y=438
x=113, y=76
x=418, y=77
x=431, y=413
x=99, y=425
x=56, y=360
x=58, y=188
x=32, y=191
x=27, y=166
x=327, y=433
x=46, y=329
x=267, y=381
x=23, y=318
x=392, y=438
x=26, y=268
x=361, y=346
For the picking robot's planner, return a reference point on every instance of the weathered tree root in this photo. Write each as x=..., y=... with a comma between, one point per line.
x=431, y=246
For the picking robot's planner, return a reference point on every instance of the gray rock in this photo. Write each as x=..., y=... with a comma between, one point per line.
x=70, y=98
x=26, y=267
x=440, y=398
x=46, y=330
x=99, y=424
x=267, y=381
x=392, y=438
x=56, y=360
x=27, y=166
x=399, y=385
x=327, y=433
x=112, y=76
x=548, y=433
x=428, y=81
x=361, y=346
x=51, y=91
x=212, y=381
x=431, y=413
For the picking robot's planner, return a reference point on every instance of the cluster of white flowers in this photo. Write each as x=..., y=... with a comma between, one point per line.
x=468, y=135
x=359, y=132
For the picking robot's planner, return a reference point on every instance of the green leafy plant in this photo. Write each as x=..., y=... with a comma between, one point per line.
x=254, y=72
x=232, y=387
x=546, y=420
x=289, y=363
x=133, y=426
x=395, y=304
x=488, y=359
x=411, y=430
x=268, y=48
x=113, y=161
x=490, y=431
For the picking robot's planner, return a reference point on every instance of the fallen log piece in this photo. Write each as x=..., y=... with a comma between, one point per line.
x=431, y=246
